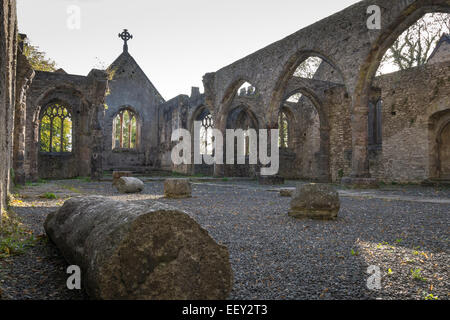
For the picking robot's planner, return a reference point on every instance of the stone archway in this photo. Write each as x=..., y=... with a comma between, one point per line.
x=241, y=118
x=311, y=134
x=360, y=98
x=444, y=152
x=206, y=121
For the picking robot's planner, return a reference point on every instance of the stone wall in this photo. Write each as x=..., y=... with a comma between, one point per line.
x=415, y=104
x=411, y=100
x=442, y=51
x=8, y=60
x=131, y=89
x=84, y=98
x=330, y=135
x=178, y=113
x=298, y=161
x=338, y=105
x=25, y=76
x=342, y=40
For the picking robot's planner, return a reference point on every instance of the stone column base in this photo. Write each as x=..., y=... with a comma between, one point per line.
x=363, y=183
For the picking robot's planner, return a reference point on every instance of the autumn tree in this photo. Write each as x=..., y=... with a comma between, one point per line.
x=37, y=58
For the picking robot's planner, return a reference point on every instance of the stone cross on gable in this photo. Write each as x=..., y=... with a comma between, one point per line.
x=125, y=36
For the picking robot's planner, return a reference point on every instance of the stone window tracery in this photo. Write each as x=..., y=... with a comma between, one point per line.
x=206, y=135
x=125, y=130
x=56, y=130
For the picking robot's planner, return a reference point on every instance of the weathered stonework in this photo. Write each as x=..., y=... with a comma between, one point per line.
x=330, y=138
x=179, y=113
x=84, y=97
x=315, y=201
x=129, y=88
x=8, y=63
x=442, y=50
x=25, y=75
x=416, y=106
x=345, y=43
x=177, y=188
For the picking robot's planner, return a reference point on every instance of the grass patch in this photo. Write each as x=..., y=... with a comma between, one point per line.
x=36, y=183
x=72, y=189
x=14, y=237
x=177, y=174
x=83, y=179
x=49, y=196
x=417, y=275
x=200, y=175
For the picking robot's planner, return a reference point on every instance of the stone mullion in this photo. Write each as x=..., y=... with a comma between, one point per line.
x=121, y=131
x=51, y=134
x=62, y=134
x=129, y=130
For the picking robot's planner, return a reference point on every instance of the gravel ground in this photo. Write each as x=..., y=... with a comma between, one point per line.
x=274, y=256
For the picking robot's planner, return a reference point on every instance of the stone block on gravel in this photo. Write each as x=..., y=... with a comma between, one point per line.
x=119, y=174
x=177, y=188
x=129, y=185
x=139, y=251
x=286, y=193
x=315, y=201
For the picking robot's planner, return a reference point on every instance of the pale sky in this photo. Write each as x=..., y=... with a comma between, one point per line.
x=175, y=41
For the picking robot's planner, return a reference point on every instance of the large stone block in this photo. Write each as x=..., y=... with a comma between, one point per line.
x=286, y=193
x=119, y=174
x=135, y=250
x=129, y=185
x=177, y=188
x=315, y=201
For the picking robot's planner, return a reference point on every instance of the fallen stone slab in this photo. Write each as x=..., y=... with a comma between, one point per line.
x=119, y=174
x=129, y=185
x=315, y=201
x=135, y=250
x=177, y=188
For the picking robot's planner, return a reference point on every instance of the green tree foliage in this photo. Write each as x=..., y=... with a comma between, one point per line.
x=56, y=130
x=37, y=58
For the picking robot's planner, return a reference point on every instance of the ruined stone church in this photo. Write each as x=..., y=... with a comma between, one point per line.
x=344, y=124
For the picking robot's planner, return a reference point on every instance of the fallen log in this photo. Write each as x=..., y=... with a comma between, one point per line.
x=135, y=250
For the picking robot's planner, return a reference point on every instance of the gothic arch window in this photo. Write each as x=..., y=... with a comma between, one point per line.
x=56, y=129
x=245, y=121
x=125, y=130
x=246, y=89
x=375, y=128
x=206, y=135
